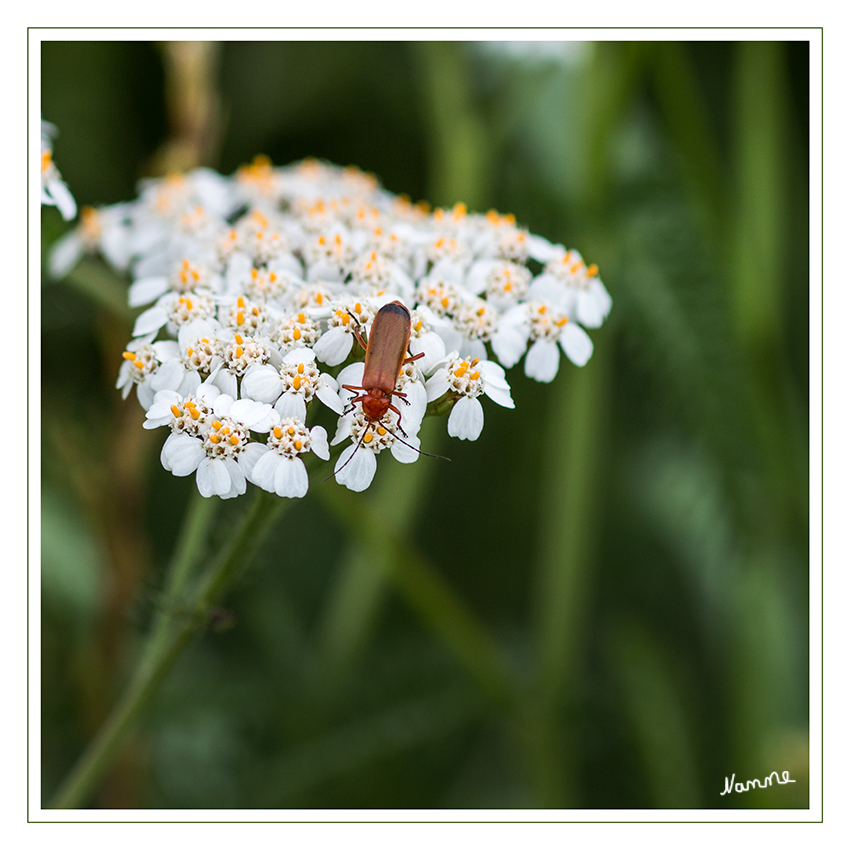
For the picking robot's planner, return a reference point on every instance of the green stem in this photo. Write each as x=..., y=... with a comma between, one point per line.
x=173, y=633
x=196, y=525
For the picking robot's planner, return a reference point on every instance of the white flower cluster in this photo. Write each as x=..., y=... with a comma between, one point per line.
x=259, y=288
x=54, y=190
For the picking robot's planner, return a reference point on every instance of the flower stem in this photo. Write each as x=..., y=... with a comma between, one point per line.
x=173, y=632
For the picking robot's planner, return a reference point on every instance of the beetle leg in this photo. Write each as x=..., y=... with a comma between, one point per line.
x=397, y=413
x=414, y=357
x=353, y=401
x=356, y=329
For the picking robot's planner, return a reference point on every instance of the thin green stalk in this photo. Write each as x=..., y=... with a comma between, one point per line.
x=173, y=634
x=195, y=530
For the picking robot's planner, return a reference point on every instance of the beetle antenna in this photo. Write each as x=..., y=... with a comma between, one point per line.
x=359, y=443
x=427, y=454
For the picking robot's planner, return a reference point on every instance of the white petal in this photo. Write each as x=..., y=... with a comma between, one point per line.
x=437, y=385
x=356, y=468
x=252, y=414
x=352, y=375
x=602, y=295
x=213, y=478
x=466, y=420
x=588, y=309
x=291, y=404
x=238, y=483
x=222, y=404
x=542, y=360
x=146, y=289
x=63, y=199
x=166, y=349
x=181, y=454
x=509, y=342
x=225, y=380
x=190, y=384
x=432, y=346
x=65, y=254
x=501, y=395
x=417, y=397
x=576, y=343
x=168, y=376
x=149, y=321
x=263, y=471
x=343, y=429
x=542, y=250
x=261, y=383
x=329, y=395
x=115, y=248
x=249, y=456
x=476, y=277
x=145, y=394
x=493, y=374
x=406, y=453
x=297, y=356
x=319, y=442
x=334, y=346
x=290, y=478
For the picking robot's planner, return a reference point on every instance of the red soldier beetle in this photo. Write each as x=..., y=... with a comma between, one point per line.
x=386, y=354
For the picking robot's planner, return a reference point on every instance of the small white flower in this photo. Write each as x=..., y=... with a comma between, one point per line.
x=335, y=344
x=397, y=431
x=293, y=385
x=200, y=347
x=101, y=231
x=278, y=468
x=243, y=316
x=220, y=454
x=185, y=276
x=357, y=464
x=54, y=190
x=547, y=328
x=575, y=288
x=184, y=414
x=151, y=368
x=468, y=379
x=297, y=331
x=425, y=340
x=379, y=274
x=173, y=311
x=503, y=282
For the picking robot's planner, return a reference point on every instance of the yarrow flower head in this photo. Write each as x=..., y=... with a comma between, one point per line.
x=259, y=294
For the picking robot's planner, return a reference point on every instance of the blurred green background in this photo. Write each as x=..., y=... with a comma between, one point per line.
x=601, y=603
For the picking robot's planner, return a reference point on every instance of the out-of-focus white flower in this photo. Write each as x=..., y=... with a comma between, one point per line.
x=102, y=231
x=54, y=190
